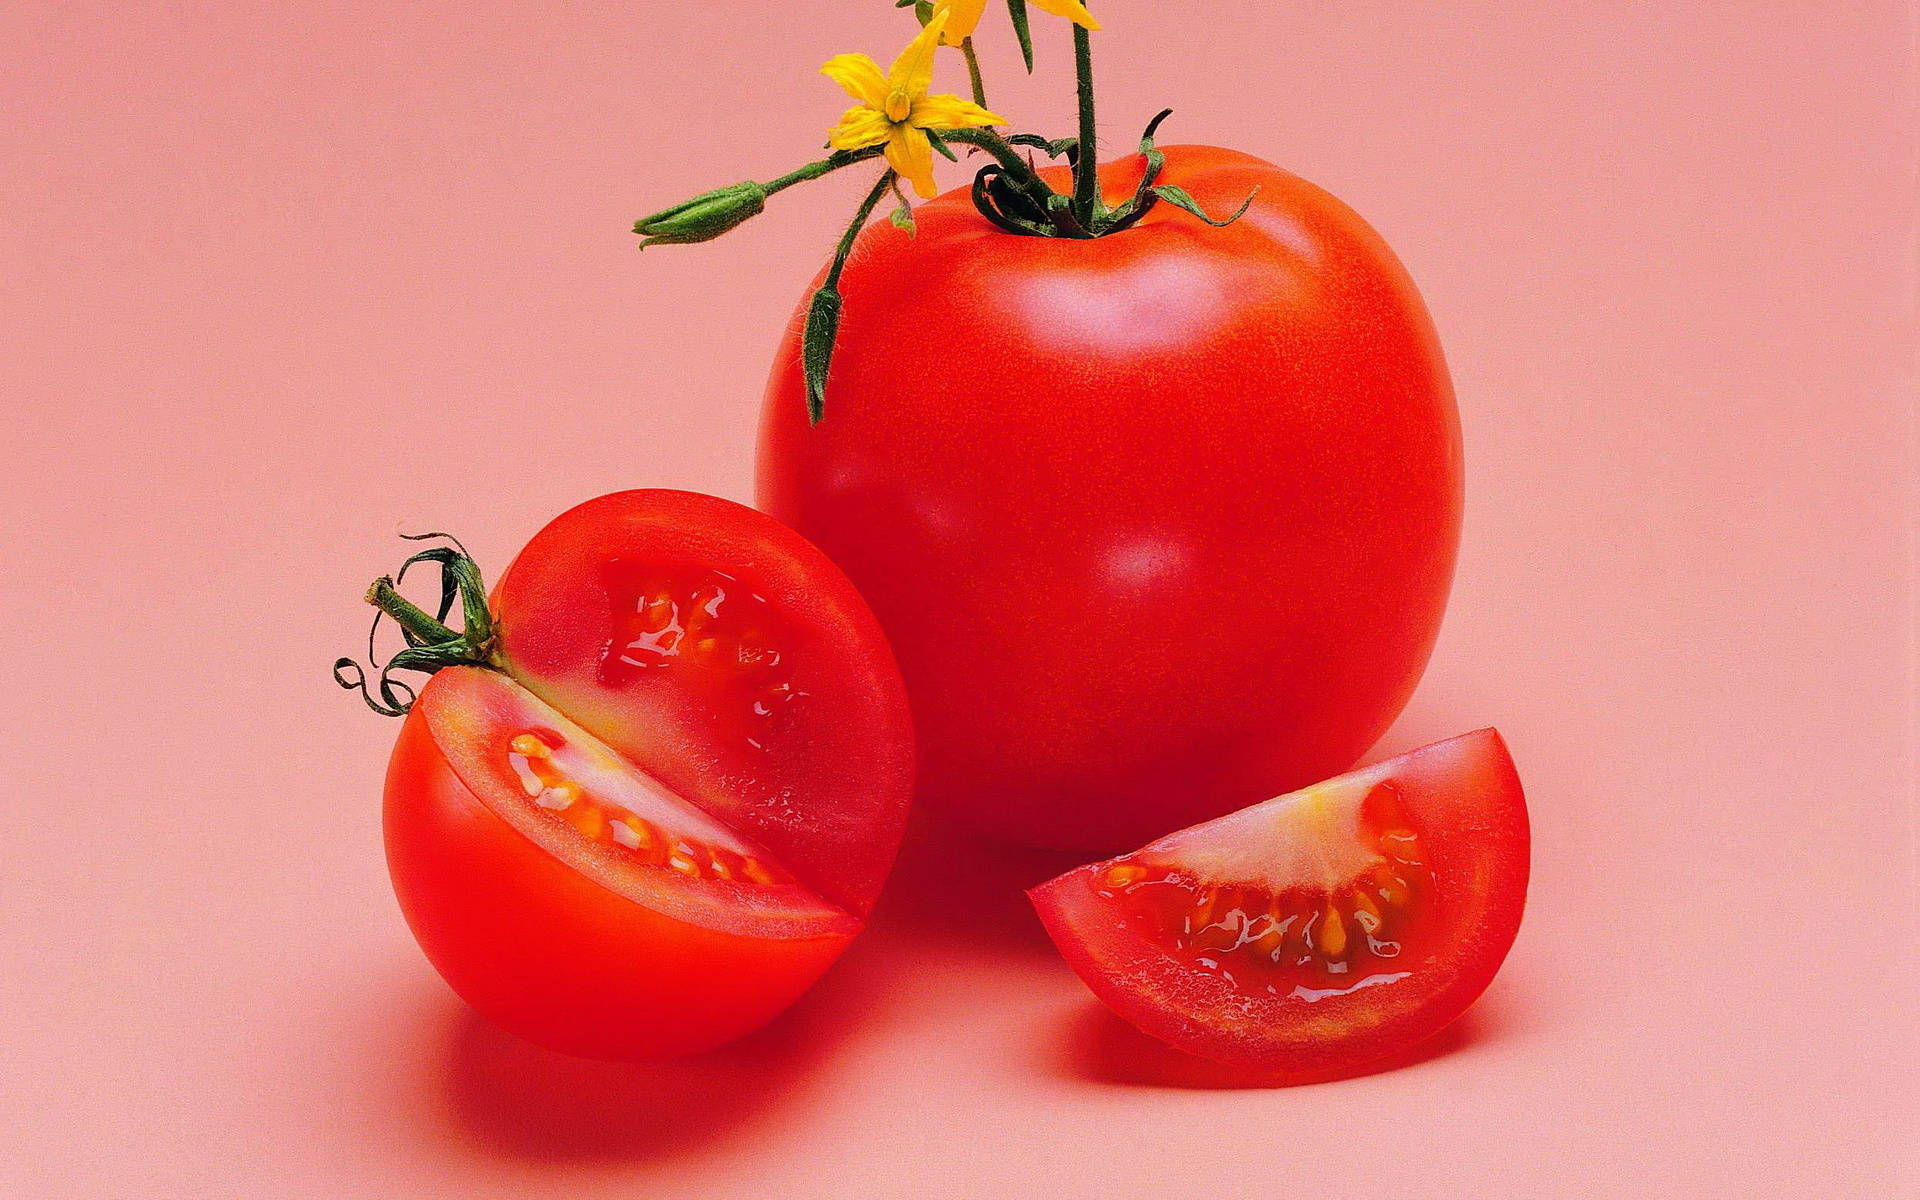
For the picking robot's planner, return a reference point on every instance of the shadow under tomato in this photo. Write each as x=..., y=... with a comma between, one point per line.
x=952, y=884
x=949, y=888
x=1100, y=1047
x=516, y=1099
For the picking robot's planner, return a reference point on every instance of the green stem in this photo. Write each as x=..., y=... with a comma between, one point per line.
x=1008, y=155
x=999, y=148
x=814, y=170
x=973, y=71
x=822, y=329
x=406, y=614
x=860, y=218
x=1086, y=170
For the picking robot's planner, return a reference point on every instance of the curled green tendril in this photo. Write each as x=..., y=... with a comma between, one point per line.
x=431, y=644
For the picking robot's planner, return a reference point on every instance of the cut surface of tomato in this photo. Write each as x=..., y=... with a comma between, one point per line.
x=730, y=660
x=570, y=794
x=1318, y=931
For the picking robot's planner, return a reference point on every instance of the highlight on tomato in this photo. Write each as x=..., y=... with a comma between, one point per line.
x=654, y=783
x=1318, y=932
x=1151, y=470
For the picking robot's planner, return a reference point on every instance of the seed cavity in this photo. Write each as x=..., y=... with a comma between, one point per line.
x=626, y=835
x=1296, y=933
x=1122, y=875
x=708, y=623
x=541, y=776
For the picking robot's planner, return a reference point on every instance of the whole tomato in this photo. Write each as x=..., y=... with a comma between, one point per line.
x=1160, y=524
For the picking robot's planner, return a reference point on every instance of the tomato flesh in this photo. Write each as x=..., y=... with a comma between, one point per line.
x=1318, y=931
x=727, y=658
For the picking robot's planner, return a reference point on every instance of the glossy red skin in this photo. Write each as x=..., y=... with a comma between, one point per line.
x=832, y=802
x=1472, y=811
x=547, y=953
x=1159, y=525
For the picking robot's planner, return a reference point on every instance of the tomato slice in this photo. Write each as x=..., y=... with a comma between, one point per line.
x=732, y=662
x=1318, y=931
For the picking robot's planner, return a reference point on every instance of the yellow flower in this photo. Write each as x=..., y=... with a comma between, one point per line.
x=895, y=110
x=964, y=15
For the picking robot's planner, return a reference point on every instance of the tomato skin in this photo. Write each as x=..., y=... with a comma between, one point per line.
x=1159, y=524
x=1476, y=827
x=554, y=957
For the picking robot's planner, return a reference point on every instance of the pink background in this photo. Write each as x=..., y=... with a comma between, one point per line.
x=278, y=279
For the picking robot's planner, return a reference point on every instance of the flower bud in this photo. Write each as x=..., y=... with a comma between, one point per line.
x=704, y=217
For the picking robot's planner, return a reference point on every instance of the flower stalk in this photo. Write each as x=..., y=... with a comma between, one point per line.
x=823, y=310
x=897, y=116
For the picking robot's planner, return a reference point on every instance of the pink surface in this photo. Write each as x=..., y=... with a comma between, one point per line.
x=280, y=278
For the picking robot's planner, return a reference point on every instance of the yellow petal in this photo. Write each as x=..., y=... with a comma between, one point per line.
x=951, y=112
x=912, y=72
x=1072, y=10
x=963, y=17
x=909, y=153
x=861, y=77
x=859, y=128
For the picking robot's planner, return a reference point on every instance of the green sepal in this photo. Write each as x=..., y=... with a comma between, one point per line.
x=1017, y=9
x=1179, y=198
x=1143, y=198
x=1006, y=206
x=1051, y=147
x=940, y=144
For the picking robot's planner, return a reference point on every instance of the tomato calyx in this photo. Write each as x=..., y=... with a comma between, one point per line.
x=1010, y=201
x=432, y=645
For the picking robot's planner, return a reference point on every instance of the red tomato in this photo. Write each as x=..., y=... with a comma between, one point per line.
x=673, y=803
x=1159, y=524
x=1317, y=932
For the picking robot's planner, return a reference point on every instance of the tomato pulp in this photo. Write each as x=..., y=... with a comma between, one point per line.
x=1159, y=524
x=670, y=802
x=1319, y=931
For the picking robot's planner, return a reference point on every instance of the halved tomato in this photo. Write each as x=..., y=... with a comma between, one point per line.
x=1316, y=932
x=653, y=797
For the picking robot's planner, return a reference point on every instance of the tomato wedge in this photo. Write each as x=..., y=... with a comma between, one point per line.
x=651, y=800
x=1316, y=932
